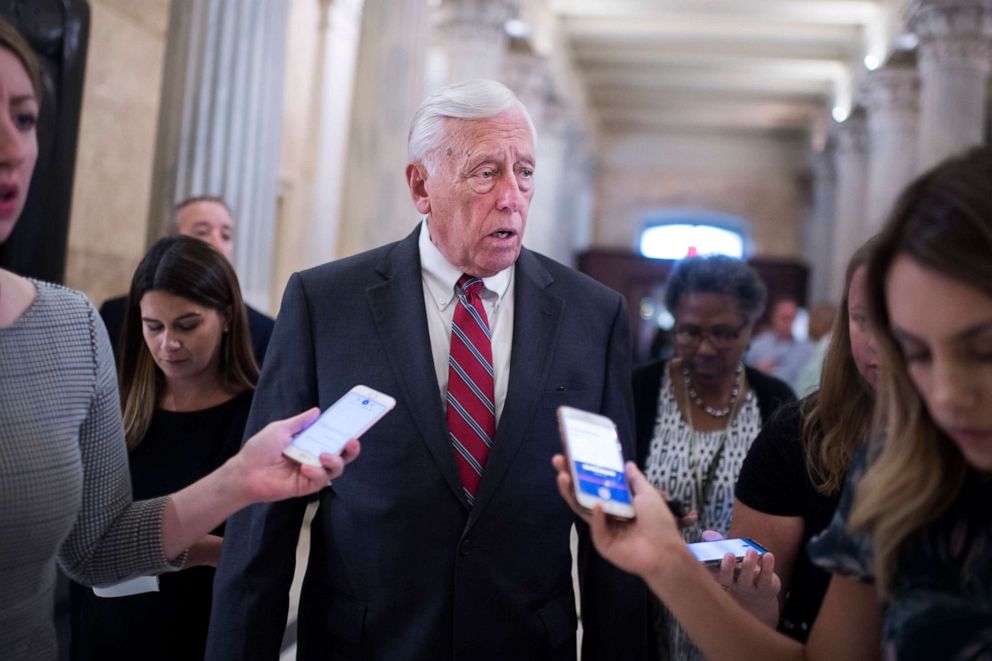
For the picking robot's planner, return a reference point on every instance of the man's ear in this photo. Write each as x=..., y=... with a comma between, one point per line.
x=416, y=179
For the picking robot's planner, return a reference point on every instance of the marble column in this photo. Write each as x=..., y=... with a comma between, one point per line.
x=333, y=117
x=955, y=59
x=892, y=100
x=470, y=40
x=220, y=123
x=851, y=165
x=818, y=231
x=389, y=86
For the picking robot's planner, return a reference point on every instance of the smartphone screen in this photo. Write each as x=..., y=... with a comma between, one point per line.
x=597, y=461
x=713, y=552
x=346, y=419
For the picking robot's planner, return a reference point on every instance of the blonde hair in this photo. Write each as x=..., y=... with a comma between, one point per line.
x=943, y=222
x=837, y=418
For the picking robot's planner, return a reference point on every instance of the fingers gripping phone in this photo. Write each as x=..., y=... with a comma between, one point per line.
x=711, y=553
x=595, y=460
x=348, y=418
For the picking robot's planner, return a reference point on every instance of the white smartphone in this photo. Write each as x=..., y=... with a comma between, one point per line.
x=595, y=460
x=711, y=553
x=348, y=418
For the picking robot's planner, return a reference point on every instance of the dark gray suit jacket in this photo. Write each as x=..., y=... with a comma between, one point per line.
x=400, y=567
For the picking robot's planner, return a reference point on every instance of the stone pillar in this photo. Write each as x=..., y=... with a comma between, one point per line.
x=850, y=228
x=470, y=40
x=818, y=234
x=955, y=60
x=389, y=86
x=892, y=100
x=220, y=123
x=576, y=193
x=320, y=75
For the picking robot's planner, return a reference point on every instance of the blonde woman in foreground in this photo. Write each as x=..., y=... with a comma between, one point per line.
x=910, y=547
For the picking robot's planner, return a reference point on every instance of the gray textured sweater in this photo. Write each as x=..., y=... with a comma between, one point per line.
x=65, y=490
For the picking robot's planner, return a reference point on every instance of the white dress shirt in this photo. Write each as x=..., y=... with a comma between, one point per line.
x=439, y=278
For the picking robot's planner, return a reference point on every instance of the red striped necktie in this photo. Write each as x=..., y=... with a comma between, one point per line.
x=471, y=405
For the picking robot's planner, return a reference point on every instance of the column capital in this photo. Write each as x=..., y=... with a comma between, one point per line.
x=482, y=19
x=953, y=33
x=892, y=93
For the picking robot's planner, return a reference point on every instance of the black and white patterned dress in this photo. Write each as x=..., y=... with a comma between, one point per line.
x=700, y=469
x=65, y=490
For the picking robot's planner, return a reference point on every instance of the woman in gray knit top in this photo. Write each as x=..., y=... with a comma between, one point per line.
x=65, y=492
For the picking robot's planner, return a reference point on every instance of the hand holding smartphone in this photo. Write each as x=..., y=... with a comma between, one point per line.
x=348, y=418
x=595, y=459
x=711, y=553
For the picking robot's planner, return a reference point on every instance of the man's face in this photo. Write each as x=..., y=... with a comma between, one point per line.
x=478, y=196
x=210, y=222
x=783, y=317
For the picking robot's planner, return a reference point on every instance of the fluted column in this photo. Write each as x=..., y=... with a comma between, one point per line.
x=220, y=122
x=955, y=60
x=850, y=228
x=470, y=40
x=376, y=206
x=818, y=235
x=893, y=124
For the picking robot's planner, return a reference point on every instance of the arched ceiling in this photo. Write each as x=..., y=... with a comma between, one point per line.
x=736, y=65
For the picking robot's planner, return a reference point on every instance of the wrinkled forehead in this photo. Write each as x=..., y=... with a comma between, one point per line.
x=510, y=129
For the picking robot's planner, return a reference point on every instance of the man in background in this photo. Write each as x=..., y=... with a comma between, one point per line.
x=208, y=218
x=776, y=351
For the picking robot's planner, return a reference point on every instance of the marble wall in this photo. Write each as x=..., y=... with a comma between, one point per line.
x=108, y=222
x=754, y=177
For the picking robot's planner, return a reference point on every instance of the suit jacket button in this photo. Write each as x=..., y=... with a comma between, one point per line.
x=466, y=547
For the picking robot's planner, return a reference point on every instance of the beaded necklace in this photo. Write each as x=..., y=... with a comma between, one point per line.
x=716, y=413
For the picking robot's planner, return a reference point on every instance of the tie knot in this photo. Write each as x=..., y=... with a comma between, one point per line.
x=472, y=286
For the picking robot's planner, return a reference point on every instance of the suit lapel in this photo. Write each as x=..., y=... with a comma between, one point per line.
x=398, y=309
x=537, y=314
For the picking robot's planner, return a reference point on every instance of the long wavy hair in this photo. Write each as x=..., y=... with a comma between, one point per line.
x=943, y=222
x=837, y=418
x=191, y=269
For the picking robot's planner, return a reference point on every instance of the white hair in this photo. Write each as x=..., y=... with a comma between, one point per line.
x=469, y=99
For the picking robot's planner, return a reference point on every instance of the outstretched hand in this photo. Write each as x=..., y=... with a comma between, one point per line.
x=636, y=546
x=267, y=475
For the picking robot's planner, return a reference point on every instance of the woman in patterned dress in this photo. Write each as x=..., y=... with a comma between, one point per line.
x=697, y=415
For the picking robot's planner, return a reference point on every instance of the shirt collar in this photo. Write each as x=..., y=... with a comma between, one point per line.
x=440, y=276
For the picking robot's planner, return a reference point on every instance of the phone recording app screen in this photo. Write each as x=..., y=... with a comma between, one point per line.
x=339, y=424
x=598, y=462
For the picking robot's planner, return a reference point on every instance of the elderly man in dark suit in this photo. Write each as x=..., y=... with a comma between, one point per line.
x=447, y=540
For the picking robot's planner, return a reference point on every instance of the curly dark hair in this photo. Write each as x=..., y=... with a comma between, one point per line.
x=717, y=274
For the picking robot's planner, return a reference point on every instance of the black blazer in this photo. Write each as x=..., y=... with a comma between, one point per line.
x=400, y=567
x=770, y=391
x=113, y=309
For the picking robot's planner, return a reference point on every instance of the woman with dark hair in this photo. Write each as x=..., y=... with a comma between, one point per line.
x=65, y=493
x=697, y=414
x=187, y=379
x=791, y=480
x=910, y=546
